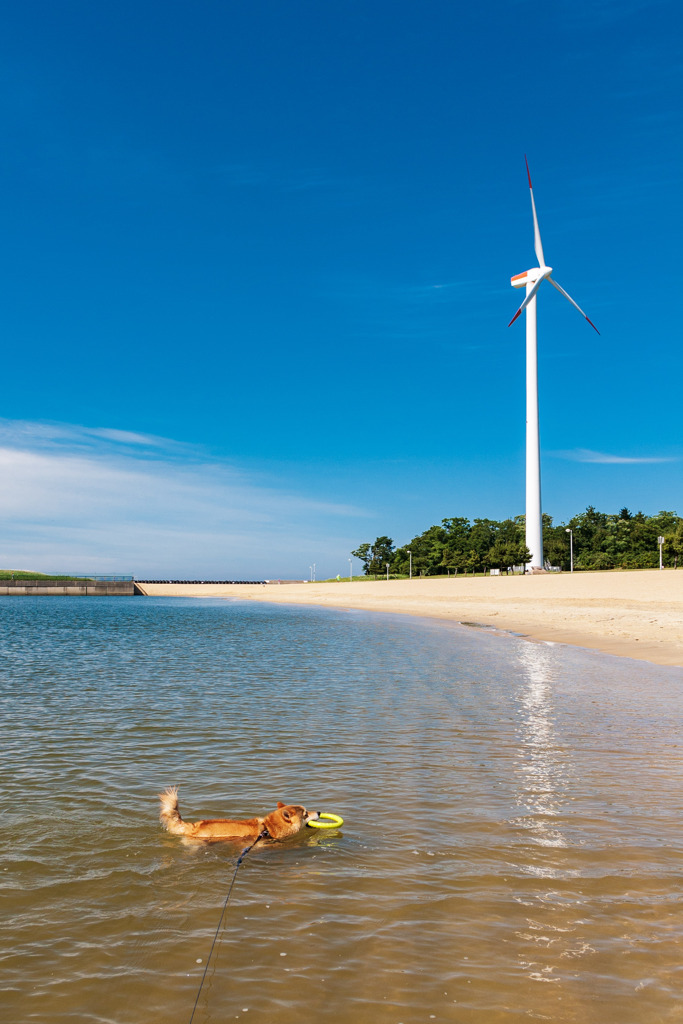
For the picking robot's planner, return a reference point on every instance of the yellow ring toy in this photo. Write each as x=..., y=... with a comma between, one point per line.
x=335, y=821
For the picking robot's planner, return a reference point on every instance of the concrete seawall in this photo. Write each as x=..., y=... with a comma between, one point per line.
x=69, y=588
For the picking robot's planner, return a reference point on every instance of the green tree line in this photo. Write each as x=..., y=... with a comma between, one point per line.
x=601, y=541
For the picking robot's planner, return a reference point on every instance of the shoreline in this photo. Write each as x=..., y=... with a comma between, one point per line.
x=635, y=614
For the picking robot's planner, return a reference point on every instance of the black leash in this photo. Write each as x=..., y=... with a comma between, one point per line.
x=265, y=834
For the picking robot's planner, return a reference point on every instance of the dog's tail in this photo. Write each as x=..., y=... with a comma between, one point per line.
x=169, y=814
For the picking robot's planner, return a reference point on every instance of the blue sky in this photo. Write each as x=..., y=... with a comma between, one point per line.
x=256, y=258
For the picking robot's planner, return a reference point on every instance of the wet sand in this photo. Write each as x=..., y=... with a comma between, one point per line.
x=632, y=614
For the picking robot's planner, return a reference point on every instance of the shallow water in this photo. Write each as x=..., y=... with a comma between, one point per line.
x=512, y=838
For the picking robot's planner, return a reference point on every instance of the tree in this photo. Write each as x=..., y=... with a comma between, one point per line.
x=556, y=546
x=401, y=561
x=381, y=554
x=601, y=541
x=519, y=554
x=362, y=553
x=497, y=557
x=456, y=531
x=375, y=556
x=428, y=551
x=673, y=544
x=453, y=559
x=482, y=537
x=504, y=555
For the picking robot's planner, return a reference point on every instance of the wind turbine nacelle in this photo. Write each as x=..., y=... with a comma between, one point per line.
x=530, y=276
x=520, y=280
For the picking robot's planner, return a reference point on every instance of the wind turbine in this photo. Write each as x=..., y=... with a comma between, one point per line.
x=532, y=280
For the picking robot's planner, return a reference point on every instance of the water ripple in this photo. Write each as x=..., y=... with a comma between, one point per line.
x=512, y=839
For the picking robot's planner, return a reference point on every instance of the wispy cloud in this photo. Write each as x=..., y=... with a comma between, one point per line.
x=423, y=294
x=439, y=290
x=587, y=455
x=103, y=499
x=46, y=435
x=128, y=437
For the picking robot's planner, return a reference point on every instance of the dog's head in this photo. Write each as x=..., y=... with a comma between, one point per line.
x=288, y=819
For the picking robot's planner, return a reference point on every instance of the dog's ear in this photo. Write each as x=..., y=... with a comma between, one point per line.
x=286, y=815
x=280, y=804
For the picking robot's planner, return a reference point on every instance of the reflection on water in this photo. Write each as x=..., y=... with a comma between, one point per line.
x=511, y=848
x=544, y=767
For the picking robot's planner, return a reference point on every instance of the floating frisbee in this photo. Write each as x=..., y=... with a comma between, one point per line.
x=334, y=822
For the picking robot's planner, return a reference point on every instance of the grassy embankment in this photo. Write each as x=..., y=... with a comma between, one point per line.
x=402, y=576
x=469, y=575
x=24, y=574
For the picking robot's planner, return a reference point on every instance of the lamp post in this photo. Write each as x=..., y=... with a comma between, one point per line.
x=660, y=541
x=350, y=571
x=571, y=548
x=410, y=553
x=387, y=565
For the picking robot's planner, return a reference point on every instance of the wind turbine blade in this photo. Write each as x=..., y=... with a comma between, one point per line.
x=528, y=299
x=538, y=247
x=576, y=306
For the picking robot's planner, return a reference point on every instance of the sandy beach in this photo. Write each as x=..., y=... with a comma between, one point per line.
x=632, y=614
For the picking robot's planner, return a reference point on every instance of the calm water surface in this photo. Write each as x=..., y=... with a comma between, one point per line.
x=512, y=838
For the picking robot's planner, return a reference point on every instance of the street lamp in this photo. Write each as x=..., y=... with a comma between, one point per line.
x=387, y=565
x=411, y=565
x=571, y=548
x=660, y=541
x=350, y=570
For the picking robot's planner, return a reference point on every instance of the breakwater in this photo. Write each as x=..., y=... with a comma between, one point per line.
x=99, y=587
x=68, y=588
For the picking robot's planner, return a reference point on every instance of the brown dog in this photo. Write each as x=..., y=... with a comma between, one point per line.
x=286, y=821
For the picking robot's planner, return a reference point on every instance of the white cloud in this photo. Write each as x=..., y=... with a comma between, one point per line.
x=98, y=499
x=74, y=437
x=586, y=455
x=128, y=437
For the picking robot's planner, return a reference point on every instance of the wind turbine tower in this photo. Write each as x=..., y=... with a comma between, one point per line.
x=532, y=280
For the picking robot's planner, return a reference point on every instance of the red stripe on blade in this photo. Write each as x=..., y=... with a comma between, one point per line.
x=592, y=324
x=514, y=317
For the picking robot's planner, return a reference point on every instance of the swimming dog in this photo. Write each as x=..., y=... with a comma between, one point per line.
x=282, y=823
